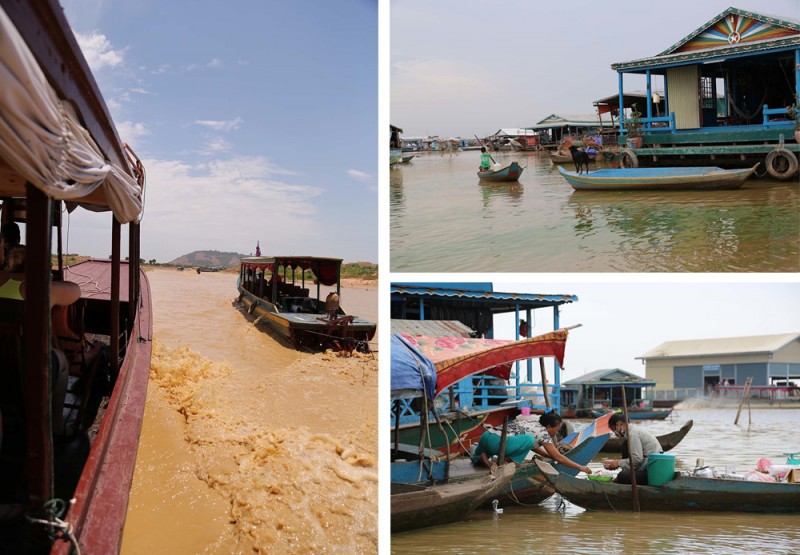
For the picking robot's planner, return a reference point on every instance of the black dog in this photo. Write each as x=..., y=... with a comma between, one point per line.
x=580, y=158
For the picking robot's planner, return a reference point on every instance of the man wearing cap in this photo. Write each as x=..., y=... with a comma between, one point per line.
x=639, y=444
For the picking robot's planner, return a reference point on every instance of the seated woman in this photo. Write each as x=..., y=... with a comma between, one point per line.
x=525, y=436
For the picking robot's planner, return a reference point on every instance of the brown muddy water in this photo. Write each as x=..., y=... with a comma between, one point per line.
x=556, y=527
x=249, y=446
x=443, y=219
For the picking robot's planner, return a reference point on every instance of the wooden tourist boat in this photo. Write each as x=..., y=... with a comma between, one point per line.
x=509, y=172
x=406, y=158
x=684, y=493
x=667, y=441
x=673, y=178
x=420, y=506
x=66, y=459
x=298, y=313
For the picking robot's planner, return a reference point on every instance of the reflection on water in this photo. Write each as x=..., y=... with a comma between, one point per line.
x=541, y=224
x=558, y=527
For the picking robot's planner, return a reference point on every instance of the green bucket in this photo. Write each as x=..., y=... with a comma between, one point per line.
x=660, y=468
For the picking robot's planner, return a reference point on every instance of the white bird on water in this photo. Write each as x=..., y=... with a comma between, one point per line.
x=495, y=503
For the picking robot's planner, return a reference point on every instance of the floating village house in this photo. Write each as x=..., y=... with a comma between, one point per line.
x=602, y=388
x=752, y=61
x=694, y=368
x=514, y=138
x=468, y=310
x=555, y=128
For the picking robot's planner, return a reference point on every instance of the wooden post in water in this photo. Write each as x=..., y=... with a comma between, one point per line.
x=745, y=395
x=634, y=491
x=501, y=456
x=544, y=383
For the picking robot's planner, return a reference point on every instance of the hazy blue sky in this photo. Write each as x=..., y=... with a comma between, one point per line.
x=624, y=319
x=460, y=68
x=256, y=121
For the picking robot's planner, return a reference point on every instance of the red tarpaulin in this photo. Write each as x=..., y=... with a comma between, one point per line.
x=458, y=357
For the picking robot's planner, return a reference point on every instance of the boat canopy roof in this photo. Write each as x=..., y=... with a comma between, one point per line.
x=456, y=358
x=56, y=131
x=326, y=269
x=413, y=374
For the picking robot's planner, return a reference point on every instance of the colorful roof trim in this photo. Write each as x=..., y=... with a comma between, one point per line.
x=733, y=27
x=756, y=33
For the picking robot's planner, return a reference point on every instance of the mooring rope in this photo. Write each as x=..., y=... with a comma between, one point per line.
x=57, y=529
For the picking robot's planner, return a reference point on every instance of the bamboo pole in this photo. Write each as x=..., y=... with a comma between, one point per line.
x=634, y=490
x=544, y=383
x=745, y=395
x=501, y=456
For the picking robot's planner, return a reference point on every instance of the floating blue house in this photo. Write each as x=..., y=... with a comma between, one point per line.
x=727, y=87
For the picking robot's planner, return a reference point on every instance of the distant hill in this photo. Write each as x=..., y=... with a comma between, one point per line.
x=209, y=258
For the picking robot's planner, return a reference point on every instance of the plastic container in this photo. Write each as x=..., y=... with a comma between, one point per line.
x=660, y=468
x=526, y=411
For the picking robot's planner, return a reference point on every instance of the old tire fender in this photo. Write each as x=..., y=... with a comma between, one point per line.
x=781, y=163
x=628, y=158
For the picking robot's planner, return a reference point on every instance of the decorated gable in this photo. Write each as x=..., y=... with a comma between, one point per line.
x=735, y=27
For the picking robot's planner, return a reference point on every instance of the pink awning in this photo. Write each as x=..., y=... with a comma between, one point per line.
x=458, y=357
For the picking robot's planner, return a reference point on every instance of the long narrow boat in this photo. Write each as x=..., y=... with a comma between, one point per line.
x=527, y=486
x=58, y=144
x=509, y=172
x=293, y=306
x=684, y=493
x=667, y=441
x=639, y=414
x=564, y=157
x=631, y=179
x=420, y=506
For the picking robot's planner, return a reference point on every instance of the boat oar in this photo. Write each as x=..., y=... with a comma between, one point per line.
x=634, y=491
x=487, y=150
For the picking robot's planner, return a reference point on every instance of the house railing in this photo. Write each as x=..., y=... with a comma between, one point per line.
x=649, y=127
x=776, y=112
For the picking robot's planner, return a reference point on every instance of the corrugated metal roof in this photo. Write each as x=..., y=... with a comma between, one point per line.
x=432, y=328
x=513, y=132
x=754, y=344
x=570, y=120
x=422, y=290
x=613, y=375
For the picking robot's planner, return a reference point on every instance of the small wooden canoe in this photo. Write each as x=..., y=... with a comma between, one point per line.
x=509, y=172
x=632, y=179
x=639, y=414
x=684, y=493
x=564, y=157
x=420, y=506
x=667, y=441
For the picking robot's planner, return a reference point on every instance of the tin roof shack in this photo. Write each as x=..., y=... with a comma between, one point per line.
x=475, y=305
x=515, y=138
x=693, y=368
x=555, y=128
x=753, y=61
x=603, y=388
